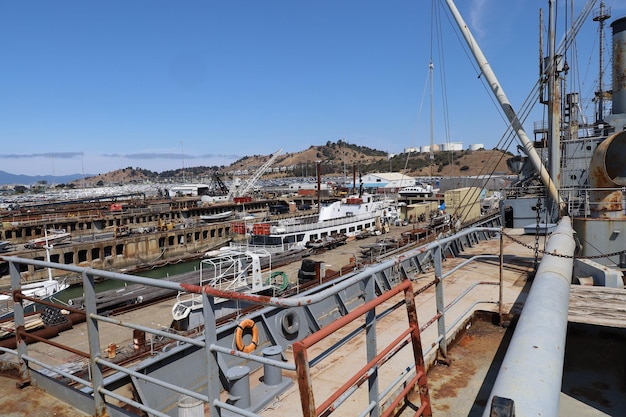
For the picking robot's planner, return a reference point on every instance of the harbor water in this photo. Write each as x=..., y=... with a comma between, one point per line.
x=160, y=272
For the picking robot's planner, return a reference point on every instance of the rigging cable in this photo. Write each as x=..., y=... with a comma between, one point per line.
x=529, y=103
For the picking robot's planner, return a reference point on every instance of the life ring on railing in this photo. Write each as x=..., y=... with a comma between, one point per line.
x=283, y=285
x=246, y=324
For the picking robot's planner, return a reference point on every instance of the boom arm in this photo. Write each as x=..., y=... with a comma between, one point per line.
x=498, y=92
x=248, y=185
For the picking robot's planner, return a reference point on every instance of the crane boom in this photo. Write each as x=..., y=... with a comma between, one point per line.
x=250, y=183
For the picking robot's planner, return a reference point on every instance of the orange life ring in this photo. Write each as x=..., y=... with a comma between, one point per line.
x=246, y=324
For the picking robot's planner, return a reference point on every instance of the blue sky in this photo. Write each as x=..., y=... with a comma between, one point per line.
x=96, y=86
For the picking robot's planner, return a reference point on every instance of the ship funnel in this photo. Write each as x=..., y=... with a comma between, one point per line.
x=607, y=174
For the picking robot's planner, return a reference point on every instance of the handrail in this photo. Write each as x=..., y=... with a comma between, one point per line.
x=303, y=365
x=294, y=301
x=397, y=263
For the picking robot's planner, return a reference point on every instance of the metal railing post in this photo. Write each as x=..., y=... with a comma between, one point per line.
x=19, y=322
x=441, y=311
x=370, y=338
x=501, y=280
x=95, y=370
x=305, y=382
x=210, y=338
x=418, y=353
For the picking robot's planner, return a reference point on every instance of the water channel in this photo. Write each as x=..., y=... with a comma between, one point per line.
x=161, y=272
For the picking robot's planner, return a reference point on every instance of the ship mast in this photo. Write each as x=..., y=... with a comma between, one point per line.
x=432, y=122
x=499, y=94
x=553, y=70
x=602, y=15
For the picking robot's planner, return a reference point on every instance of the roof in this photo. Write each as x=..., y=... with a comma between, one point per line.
x=392, y=176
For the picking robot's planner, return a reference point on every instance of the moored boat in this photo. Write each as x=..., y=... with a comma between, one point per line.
x=418, y=190
x=349, y=216
x=6, y=245
x=43, y=290
x=52, y=237
x=217, y=216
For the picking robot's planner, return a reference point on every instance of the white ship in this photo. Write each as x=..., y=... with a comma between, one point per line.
x=418, y=190
x=349, y=216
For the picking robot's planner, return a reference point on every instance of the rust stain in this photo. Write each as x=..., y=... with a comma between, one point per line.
x=30, y=401
x=466, y=340
x=447, y=383
x=599, y=177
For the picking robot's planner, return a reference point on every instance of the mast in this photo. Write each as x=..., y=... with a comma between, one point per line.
x=554, y=99
x=47, y=246
x=499, y=94
x=540, y=47
x=602, y=15
x=431, y=68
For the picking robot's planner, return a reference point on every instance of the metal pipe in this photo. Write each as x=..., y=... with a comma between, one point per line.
x=169, y=335
x=261, y=359
x=532, y=368
x=295, y=301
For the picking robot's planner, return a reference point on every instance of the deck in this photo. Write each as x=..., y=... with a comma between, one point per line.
x=593, y=383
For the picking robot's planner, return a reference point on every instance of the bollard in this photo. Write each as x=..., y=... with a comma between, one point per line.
x=272, y=375
x=190, y=407
x=139, y=340
x=239, y=380
x=111, y=350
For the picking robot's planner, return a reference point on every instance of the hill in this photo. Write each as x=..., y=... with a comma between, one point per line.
x=8, y=178
x=340, y=158
x=335, y=158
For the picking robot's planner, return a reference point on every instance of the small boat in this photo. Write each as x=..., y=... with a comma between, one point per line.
x=217, y=216
x=364, y=234
x=6, y=245
x=420, y=189
x=52, y=237
x=327, y=242
x=44, y=290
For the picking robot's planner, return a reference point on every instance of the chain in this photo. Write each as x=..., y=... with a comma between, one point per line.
x=560, y=255
x=536, y=249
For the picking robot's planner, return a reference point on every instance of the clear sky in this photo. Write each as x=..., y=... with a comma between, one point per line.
x=93, y=86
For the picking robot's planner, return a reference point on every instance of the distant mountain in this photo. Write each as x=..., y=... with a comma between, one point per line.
x=7, y=178
x=338, y=158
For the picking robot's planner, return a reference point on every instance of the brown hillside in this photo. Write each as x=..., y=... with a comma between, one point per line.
x=470, y=163
x=462, y=163
x=335, y=159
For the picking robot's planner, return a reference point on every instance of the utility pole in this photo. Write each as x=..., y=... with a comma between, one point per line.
x=182, y=155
